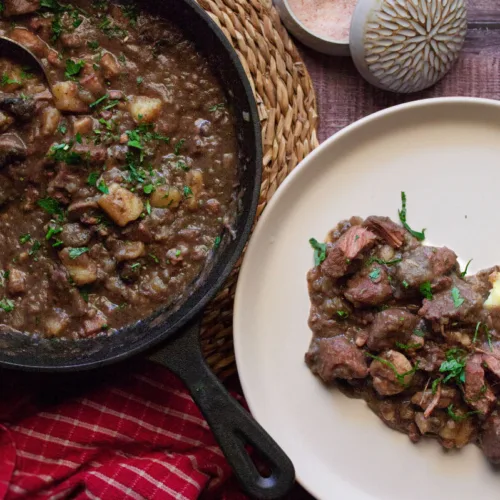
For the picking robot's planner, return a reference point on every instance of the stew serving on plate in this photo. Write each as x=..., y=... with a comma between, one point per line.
x=117, y=179
x=398, y=324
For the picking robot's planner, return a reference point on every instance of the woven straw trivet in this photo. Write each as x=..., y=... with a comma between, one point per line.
x=287, y=110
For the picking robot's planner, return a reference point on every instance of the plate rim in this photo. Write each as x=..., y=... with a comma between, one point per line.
x=262, y=222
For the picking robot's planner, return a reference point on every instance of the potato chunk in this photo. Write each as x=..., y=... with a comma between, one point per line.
x=128, y=250
x=67, y=98
x=166, y=197
x=17, y=281
x=56, y=322
x=109, y=65
x=83, y=125
x=144, y=109
x=50, y=121
x=121, y=205
x=82, y=269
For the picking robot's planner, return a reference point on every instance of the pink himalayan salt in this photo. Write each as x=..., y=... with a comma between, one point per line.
x=326, y=18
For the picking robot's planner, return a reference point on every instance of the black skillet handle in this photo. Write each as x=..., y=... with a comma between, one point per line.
x=232, y=426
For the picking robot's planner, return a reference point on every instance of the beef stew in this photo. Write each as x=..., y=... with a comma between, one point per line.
x=400, y=325
x=118, y=178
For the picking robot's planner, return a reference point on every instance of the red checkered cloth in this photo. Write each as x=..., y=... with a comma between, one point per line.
x=139, y=437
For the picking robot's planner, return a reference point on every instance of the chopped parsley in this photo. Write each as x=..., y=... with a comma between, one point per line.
x=182, y=165
x=102, y=187
x=375, y=274
x=455, y=295
x=454, y=366
x=78, y=138
x=62, y=153
x=74, y=253
x=178, y=146
x=99, y=101
x=435, y=385
x=420, y=236
x=217, y=242
x=464, y=272
x=7, y=305
x=405, y=283
x=319, y=251
x=407, y=347
x=92, y=179
x=154, y=257
x=371, y=260
x=148, y=207
x=419, y=333
x=6, y=80
x=426, y=290
x=93, y=45
x=135, y=266
x=148, y=188
x=34, y=248
x=50, y=205
x=217, y=107
x=458, y=418
x=52, y=231
x=24, y=238
x=139, y=80
x=342, y=314
x=188, y=192
x=62, y=129
x=73, y=68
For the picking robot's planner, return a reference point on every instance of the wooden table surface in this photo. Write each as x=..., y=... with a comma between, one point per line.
x=344, y=97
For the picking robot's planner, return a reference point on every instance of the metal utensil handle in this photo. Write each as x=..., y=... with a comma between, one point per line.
x=232, y=426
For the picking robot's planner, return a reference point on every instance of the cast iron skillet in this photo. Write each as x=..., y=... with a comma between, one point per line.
x=177, y=328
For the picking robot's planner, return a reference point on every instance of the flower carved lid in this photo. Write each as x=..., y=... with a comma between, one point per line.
x=407, y=45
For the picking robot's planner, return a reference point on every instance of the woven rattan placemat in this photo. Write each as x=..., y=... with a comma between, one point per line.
x=287, y=110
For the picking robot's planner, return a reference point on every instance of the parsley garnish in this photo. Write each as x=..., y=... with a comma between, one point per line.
x=101, y=99
x=6, y=80
x=419, y=333
x=459, y=418
x=178, y=146
x=342, y=314
x=94, y=45
x=136, y=265
x=7, y=305
x=407, y=347
x=34, y=248
x=464, y=272
x=219, y=106
x=405, y=283
x=73, y=68
x=217, y=242
x=92, y=178
x=454, y=365
x=455, y=295
x=435, y=385
x=50, y=205
x=371, y=260
x=188, y=192
x=148, y=188
x=62, y=153
x=102, y=187
x=62, y=129
x=426, y=290
x=24, y=238
x=154, y=257
x=319, y=251
x=76, y=252
x=420, y=236
x=148, y=207
x=139, y=80
x=375, y=274
x=52, y=231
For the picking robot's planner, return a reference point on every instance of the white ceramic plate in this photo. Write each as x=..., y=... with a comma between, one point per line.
x=445, y=153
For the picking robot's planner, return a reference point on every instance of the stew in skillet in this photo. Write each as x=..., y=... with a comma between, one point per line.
x=117, y=179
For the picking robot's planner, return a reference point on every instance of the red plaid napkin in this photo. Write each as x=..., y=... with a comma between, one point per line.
x=139, y=437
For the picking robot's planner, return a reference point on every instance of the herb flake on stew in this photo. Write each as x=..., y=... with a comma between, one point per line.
x=34, y=248
x=50, y=205
x=342, y=314
x=178, y=146
x=74, y=253
x=455, y=295
x=188, y=192
x=7, y=305
x=24, y=238
x=375, y=274
x=454, y=366
x=217, y=242
x=73, y=68
x=420, y=236
x=319, y=251
x=102, y=187
x=426, y=290
x=458, y=418
x=464, y=272
x=99, y=101
x=62, y=153
x=92, y=178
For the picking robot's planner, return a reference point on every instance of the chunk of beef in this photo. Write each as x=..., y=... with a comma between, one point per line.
x=65, y=179
x=369, y=287
x=425, y=264
x=385, y=380
x=490, y=438
x=29, y=40
x=391, y=326
x=82, y=208
x=392, y=233
x=430, y=357
x=492, y=363
x=460, y=303
x=12, y=149
x=336, y=357
x=20, y=7
x=75, y=235
x=91, y=153
x=21, y=109
x=448, y=396
x=478, y=394
x=349, y=246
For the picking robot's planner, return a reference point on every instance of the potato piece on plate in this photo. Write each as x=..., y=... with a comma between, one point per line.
x=121, y=205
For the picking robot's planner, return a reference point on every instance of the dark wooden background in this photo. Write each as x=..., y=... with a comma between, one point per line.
x=344, y=97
